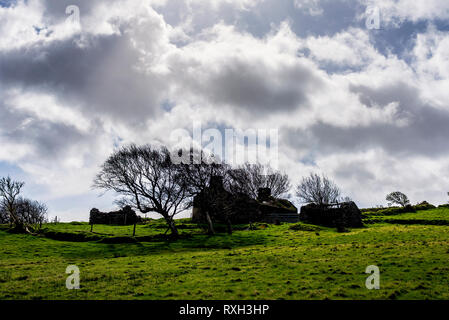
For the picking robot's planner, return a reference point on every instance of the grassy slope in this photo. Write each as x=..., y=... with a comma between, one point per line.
x=271, y=263
x=437, y=216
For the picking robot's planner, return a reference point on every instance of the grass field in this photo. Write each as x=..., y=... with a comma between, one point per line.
x=272, y=262
x=438, y=216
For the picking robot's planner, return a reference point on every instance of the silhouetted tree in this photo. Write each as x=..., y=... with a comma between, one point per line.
x=4, y=216
x=197, y=175
x=249, y=178
x=399, y=198
x=31, y=212
x=148, y=180
x=9, y=193
x=346, y=199
x=317, y=189
x=23, y=214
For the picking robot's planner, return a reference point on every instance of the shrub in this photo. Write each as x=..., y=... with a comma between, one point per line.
x=304, y=227
x=390, y=211
x=77, y=223
x=399, y=198
x=424, y=206
x=317, y=189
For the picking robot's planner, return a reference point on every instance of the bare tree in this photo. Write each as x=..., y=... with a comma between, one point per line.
x=249, y=178
x=346, y=199
x=4, y=216
x=399, y=198
x=148, y=180
x=197, y=176
x=31, y=212
x=9, y=193
x=317, y=189
x=23, y=214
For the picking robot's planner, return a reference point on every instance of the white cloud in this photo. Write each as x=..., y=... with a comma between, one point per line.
x=398, y=11
x=350, y=48
x=40, y=106
x=312, y=7
x=378, y=173
x=67, y=98
x=431, y=62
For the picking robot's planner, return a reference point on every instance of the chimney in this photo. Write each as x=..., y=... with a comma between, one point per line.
x=264, y=194
x=216, y=182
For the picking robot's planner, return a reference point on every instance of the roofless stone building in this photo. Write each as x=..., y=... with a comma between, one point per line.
x=124, y=217
x=241, y=209
x=339, y=215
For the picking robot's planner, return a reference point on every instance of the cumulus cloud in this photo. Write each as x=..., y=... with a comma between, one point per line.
x=395, y=12
x=351, y=48
x=249, y=76
x=135, y=72
x=312, y=7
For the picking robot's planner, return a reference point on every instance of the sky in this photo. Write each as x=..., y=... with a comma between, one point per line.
x=366, y=104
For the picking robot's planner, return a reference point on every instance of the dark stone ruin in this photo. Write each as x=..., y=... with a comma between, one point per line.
x=241, y=209
x=124, y=217
x=264, y=195
x=340, y=215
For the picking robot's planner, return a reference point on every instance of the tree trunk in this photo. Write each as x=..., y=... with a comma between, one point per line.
x=229, y=225
x=210, y=225
x=172, y=226
x=22, y=228
x=27, y=230
x=12, y=216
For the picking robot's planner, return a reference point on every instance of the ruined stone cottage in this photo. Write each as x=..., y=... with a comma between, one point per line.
x=340, y=215
x=241, y=209
x=123, y=217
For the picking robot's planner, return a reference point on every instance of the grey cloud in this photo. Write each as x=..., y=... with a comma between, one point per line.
x=425, y=135
x=101, y=78
x=101, y=81
x=406, y=95
x=426, y=132
x=55, y=10
x=337, y=15
x=49, y=140
x=256, y=90
x=356, y=170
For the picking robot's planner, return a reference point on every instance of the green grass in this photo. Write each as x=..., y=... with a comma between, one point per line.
x=272, y=262
x=438, y=216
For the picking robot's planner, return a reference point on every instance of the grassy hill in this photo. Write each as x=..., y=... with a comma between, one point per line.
x=437, y=216
x=272, y=262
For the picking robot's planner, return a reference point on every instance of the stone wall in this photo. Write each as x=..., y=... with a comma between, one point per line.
x=123, y=217
x=240, y=209
x=338, y=215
